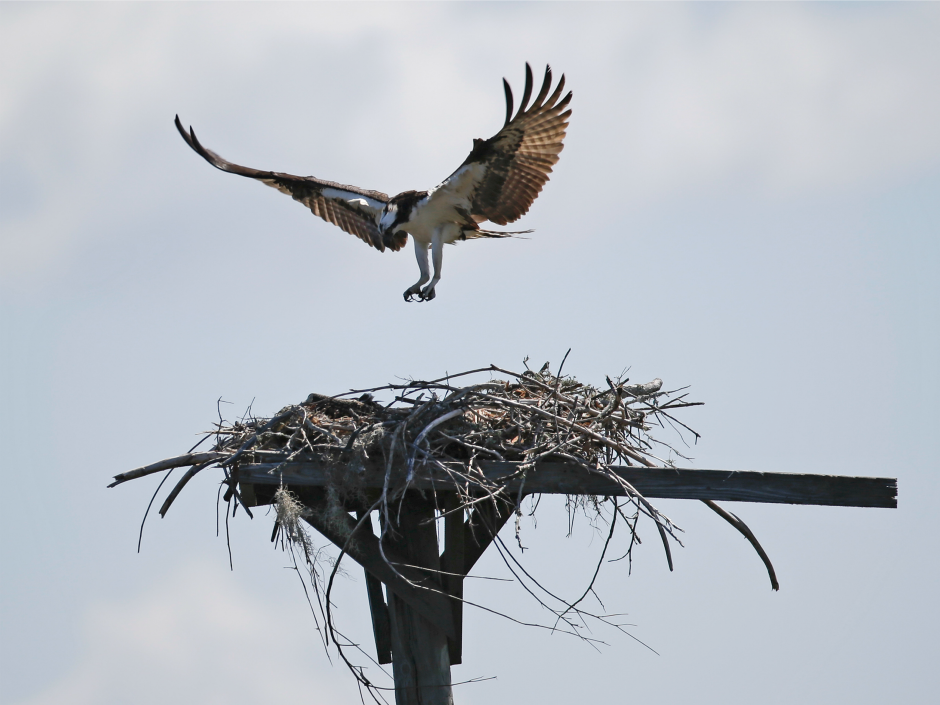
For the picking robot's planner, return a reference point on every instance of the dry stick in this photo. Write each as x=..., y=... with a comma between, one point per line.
x=558, y=383
x=564, y=397
x=367, y=516
x=250, y=441
x=654, y=513
x=314, y=427
x=413, y=383
x=314, y=581
x=177, y=462
x=616, y=446
x=634, y=540
x=504, y=551
x=140, y=535
x=501, y=547
x=748, y=534
x=600, y=439
x=181, y=484
x=427, y=429
x=232, y=486
x=471, y=446
x=303, y=584
x=600, y=561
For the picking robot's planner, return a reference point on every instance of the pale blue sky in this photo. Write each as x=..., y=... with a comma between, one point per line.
x=748, y=203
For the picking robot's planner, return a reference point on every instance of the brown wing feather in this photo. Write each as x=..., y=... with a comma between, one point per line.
x=309, y=191
x=520, y=156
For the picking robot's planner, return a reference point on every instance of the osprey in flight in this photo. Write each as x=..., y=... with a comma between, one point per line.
x=498, y=182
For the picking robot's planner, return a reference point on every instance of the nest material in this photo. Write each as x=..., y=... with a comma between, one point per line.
x=523, y=418
x=527, y=417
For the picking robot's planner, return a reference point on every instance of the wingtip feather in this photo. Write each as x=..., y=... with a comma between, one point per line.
x=527, y=92
x=190, y=138
x=181, y=129
x=557, y=92
x=543, y=91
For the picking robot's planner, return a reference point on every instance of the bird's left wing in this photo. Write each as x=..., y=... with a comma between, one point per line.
x=504, y=174
x=355, y=210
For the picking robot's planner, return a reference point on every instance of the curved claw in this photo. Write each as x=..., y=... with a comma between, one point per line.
x=417, y=294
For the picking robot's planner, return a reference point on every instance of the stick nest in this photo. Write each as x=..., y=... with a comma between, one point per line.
x=524, y=417
x=450, y=425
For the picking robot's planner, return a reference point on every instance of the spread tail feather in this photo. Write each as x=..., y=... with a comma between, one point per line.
x=497, y=233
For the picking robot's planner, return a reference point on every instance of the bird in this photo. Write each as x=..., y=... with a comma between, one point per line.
x=497, y=182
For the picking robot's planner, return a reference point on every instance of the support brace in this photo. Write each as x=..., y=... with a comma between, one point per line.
x=415, y=587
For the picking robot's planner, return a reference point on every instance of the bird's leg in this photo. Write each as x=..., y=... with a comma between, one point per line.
x=421, y=254
x=437, y=255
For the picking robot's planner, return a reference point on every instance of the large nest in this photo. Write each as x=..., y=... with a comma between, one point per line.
x=448, y=429
x=526, y=418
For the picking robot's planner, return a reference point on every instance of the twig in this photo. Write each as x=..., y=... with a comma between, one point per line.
x=749, y=535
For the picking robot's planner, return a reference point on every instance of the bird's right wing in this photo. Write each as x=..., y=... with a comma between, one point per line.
x=355, y=210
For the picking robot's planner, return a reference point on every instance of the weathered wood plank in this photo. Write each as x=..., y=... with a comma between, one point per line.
x=381, y=627
x=453, y=570
x=485, y=522
x=670, y=483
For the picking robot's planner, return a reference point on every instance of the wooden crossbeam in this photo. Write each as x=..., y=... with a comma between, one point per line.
x=466, y=540
x=671, y=483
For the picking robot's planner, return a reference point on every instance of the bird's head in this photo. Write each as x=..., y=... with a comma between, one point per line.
x=400, y=210
x=390, y=225
x=389, y=221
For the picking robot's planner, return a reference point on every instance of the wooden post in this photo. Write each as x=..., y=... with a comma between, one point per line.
x=381, y=626
x=454, y=569
x=420, y=656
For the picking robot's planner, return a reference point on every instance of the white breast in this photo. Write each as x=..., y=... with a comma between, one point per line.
x=443, y=204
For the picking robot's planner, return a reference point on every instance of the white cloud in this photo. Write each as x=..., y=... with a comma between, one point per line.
x=789, y=100
x=195, y=638
x=798, y=100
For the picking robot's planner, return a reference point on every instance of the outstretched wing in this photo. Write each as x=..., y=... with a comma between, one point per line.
x=517, y=160
x=355, y=210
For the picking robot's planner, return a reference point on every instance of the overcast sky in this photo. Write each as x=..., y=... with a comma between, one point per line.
x=748, y=203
